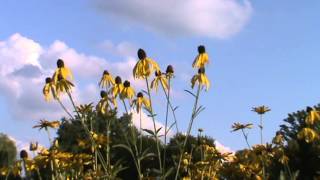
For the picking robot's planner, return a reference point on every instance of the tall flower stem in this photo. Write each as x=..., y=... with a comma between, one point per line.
x=193, y=116
x=261, y=129
x=135, y=155
x=140, y=119
x=166, y=123
x=246, y=138
x=103, y=163
x=154, y=125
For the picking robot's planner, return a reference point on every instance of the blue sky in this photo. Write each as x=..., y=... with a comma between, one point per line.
x=261, y=52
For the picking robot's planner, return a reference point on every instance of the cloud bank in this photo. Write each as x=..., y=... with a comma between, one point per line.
x=205, y=18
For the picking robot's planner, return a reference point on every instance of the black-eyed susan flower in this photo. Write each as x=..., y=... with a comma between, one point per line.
x=47, y=124
x=261, y=109
x=145, y=66
x=33, y=146
x=141, y=101
x=106, y=80
x=313, y=116
x=63, y=85
x=106, y=103
x=127, y=91
x=159, y=78
x=169, y=71
x=49, y=89
x=308, y=134
x=239, y=126
x=118, y=87
x=62, y=70
x=201, y=79
x=202, y=58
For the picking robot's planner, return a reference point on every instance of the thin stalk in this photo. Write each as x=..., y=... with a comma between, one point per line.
x=103, y=163
x=63, y=107
x=261, y=129
x=166, y=124
x=154, y=125
x=125, y=106
x=170, y=105
x=136, y=160
x=246, y=138
x=140, y=118
x=195, y=106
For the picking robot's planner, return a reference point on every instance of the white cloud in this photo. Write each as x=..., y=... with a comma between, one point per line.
x=147, y=123
x=123, y=48
x=25, y=64
x=208, y=18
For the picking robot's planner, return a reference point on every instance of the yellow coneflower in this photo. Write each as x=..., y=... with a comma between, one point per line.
x=308, y=134
x=261, y=109
x=106, y=80
x=145, y=66
x=47, y=124
x=141, y=101
x=118, y=87
x=202, y=58
x=33, y=146
x=239, y=126
x=62, y=70
x=104, y=105
x=49, y=89
x=160, y=77
x=63, y=85
x=169, y=71
x=313, y=116
x=127, y=91
x=200, y=78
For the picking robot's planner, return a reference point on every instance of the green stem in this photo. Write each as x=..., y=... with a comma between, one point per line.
x=189, y=129
x=261, y=129
x=103, y=163
x=166, y=124
x=246, y=138
x=154, y=125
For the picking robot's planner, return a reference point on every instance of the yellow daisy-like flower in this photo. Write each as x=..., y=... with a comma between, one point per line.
x=160, y=78
x=106, y=80
x=202, y=59
x=145, y=66
x=63, y=85
x=49, y=89
x=118, y=87
x=62, y=70
x=169, y=71
x=33, y=146
x=239, y=126
x=127, y=91
x=308, y=134
x=106, y=103
x=261, y=109
x=200, y=78
x=141, y=101
x=47, y=124
x=313, y=116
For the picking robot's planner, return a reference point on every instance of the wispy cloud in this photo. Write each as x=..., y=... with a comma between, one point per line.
x=208, y=18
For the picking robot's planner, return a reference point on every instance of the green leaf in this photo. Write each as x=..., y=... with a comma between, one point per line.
x=149, y=131
x=190, y=93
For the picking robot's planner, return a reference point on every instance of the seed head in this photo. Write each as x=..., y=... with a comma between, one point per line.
x=141, y=54
x=60, y=63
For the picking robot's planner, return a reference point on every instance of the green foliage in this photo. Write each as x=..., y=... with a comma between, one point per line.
x=8, y=151
x=304, y=157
